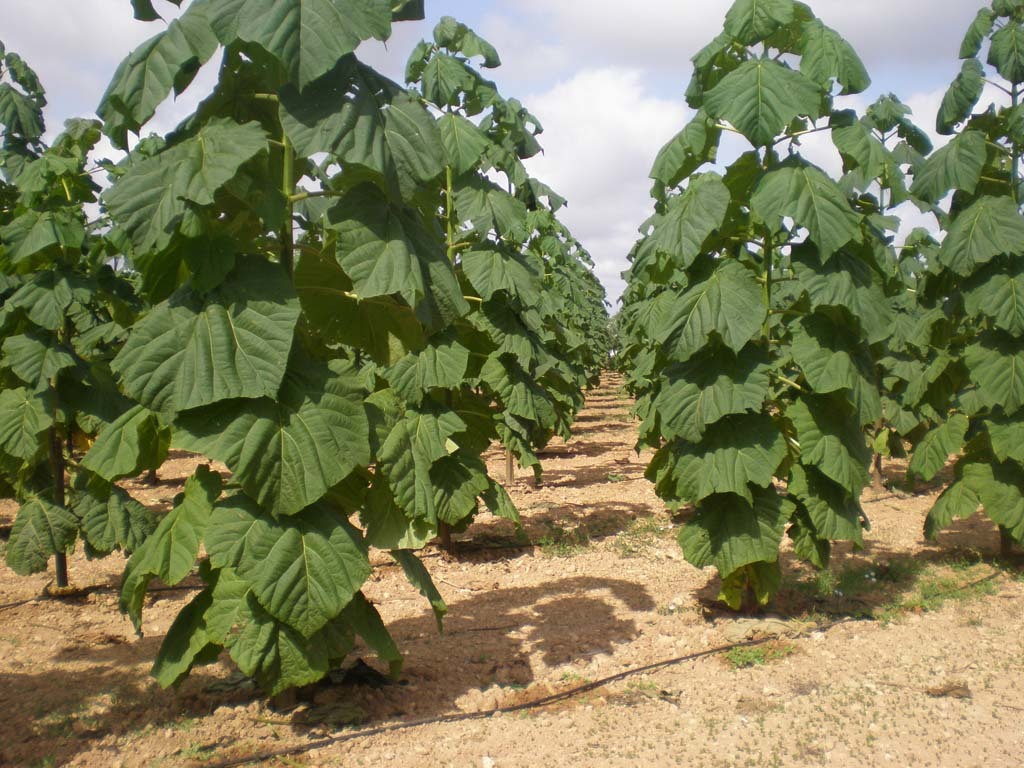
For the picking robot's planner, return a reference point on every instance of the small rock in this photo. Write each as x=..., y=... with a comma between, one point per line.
x=487, y=762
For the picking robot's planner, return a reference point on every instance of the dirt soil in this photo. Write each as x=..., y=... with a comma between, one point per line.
x=924, y=668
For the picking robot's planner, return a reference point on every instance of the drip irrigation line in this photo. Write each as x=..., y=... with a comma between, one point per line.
x=86, y=591
x=541, y=702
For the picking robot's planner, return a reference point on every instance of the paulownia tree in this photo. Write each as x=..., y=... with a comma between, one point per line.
x=307, y=330
x=63, y=314
x=978, y=280
x=761, y=293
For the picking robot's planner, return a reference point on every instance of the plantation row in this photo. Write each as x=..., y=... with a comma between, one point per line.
x=345, y=290
x=342, y=288
x=777, y=333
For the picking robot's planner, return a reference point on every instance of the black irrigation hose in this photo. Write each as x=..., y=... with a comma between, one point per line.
x=102, y=588
x=542, y=702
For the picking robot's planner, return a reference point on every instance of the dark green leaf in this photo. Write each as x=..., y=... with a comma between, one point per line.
x=935, y=448
x=958, y=165
x=729, y=304
x=287, y=452
x=192, y=351
x=961, y=97
x=729, y=533
x=761, y=97
x=990, y=227
x=827, y=57
x=41, y=530
x=154, y=193
x=812, y=200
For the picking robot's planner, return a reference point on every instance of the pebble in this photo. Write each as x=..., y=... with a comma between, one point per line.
x=487, y=762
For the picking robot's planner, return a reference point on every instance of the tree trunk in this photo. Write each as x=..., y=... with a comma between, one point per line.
x=57, y=468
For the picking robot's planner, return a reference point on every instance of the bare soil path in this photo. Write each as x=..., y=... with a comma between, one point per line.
x=926, y=670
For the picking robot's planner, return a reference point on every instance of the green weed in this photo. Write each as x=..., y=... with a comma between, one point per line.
x=758, y=655
x=560, y=542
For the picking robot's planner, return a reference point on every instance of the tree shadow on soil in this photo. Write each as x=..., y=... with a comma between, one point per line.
x=55, y=715
x=489, y=639
x=555, y=525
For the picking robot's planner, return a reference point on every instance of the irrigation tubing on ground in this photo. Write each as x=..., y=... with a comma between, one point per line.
x=541, y=702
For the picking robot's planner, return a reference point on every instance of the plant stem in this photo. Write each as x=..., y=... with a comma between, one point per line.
x=57, y=469
x=766, y=329
x=288, y=190
x=510, y=467
x=1015, y=159
x=449, y=208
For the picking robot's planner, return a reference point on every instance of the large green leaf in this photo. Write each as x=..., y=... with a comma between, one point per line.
x=364, y=119
x=46, y=297
x=383, y=326
x=419, y=577
x=187, y=643
x=1000, y=487
x=729, y=303
x=41, y=530
x=303, y=569
x=24, y=419
x=488, y=207
x=742, y=452
x=193, y=351
x=144, y=79
x=833, y=359
x=1007, y=438
x=419, y=440
x=710, y=386
x=171, y=550
x=387, y=250
x=442, y=365
x=976, y=33
x=134, y=442
x=464, y=143
x=35, y=358
x=761, y=97
x=990, y=227
x=834, y=512
x=860, y=148
x=20, y=115
x=1006, y=51
x=848, y=282
x=493, y=268
x=827, y=57
x=111, y=518
x=306, y=37
x=690, y=219
x=958, y=500
x=960, y=98
x=958, y=165
x=750, y=21
x=39, y=234
x=812, y=200
x=272, y=652
x=287, y=452
x=935, y=448
x=999, y=295
x=831, y=440
x=996, y=365
x=155, y=192
x=729, y=533
x=687, y=151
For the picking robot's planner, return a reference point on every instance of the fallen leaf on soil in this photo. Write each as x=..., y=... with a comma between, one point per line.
x=954, y=689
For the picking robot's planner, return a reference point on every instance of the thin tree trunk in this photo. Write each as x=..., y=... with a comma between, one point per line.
x=57, y=467
x=510, y=467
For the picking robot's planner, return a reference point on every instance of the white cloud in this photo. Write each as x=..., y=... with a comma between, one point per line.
x=602, y=130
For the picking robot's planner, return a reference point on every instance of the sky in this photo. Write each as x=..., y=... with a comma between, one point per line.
x=605, y=79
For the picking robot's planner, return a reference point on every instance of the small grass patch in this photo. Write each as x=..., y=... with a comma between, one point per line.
x=615, y=477
x=938, y=587
x=639, y=537
x=560, y=542
x=758, y=655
